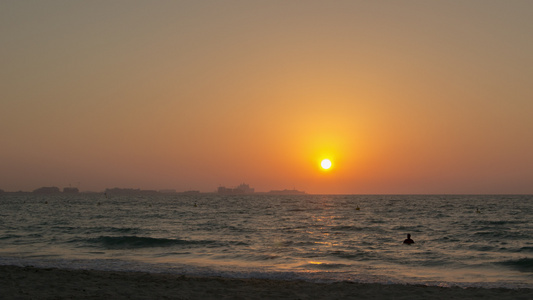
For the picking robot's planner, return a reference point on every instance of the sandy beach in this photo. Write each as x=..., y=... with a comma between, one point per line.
x=37, y=283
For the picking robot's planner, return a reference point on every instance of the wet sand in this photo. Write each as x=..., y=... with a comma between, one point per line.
x=39, y=283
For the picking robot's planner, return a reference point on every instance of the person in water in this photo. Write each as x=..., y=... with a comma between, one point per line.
x=408, y=240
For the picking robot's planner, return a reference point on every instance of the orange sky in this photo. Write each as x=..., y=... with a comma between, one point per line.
x=410, y=97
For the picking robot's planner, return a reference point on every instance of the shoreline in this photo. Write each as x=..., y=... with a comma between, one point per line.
x=52, y=283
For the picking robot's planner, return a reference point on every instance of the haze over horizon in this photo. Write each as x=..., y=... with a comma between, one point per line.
x=407, y=97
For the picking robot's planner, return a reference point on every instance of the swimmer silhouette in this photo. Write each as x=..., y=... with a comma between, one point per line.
x=408, y=240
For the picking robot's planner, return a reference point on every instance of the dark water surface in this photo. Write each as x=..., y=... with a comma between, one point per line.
x=469, y=240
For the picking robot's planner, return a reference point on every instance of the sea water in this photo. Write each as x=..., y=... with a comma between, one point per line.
x=482, y=240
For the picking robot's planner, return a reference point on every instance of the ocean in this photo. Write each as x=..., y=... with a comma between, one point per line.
x=460, y=240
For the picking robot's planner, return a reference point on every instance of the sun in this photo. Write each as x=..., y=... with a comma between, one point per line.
x=326, y=164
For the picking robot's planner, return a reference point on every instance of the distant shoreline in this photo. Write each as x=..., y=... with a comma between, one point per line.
x=273, y=192
x=51, y=283
x=53, y=190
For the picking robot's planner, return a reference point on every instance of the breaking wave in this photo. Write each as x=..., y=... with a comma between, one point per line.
x=522, y=264
x=132, y=242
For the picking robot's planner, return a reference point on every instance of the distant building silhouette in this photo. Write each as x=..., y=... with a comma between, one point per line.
x=47, y=190
x=243, y=188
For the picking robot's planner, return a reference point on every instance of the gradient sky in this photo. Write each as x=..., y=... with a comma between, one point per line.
x=403, y=96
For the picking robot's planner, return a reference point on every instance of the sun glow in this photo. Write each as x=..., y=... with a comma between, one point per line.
x=326, y=164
